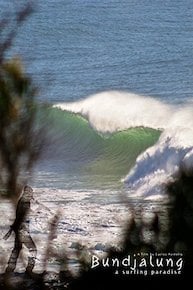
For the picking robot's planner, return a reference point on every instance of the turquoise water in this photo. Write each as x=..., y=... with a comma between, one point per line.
x=77, y=156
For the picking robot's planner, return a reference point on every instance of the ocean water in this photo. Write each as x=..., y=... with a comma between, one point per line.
x=80, y=47
x=75, y=49
x=116, y=87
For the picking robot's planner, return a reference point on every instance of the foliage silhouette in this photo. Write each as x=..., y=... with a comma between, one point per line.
x=20, y=140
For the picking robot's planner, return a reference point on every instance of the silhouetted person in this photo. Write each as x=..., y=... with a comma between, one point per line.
x=22, y=232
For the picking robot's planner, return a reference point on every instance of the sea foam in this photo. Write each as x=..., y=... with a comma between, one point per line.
x=117, y=111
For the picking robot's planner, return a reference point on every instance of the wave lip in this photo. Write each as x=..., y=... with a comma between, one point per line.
x=112, y=111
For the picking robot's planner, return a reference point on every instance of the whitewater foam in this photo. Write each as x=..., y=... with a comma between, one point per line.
x=87, y=223
x=117, y=111
x=160, y=163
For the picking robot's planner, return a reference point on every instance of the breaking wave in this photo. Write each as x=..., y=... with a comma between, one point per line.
x=148, y=138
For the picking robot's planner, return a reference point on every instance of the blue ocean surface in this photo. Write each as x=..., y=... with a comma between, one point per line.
x=80, y=47
x=113, y=52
